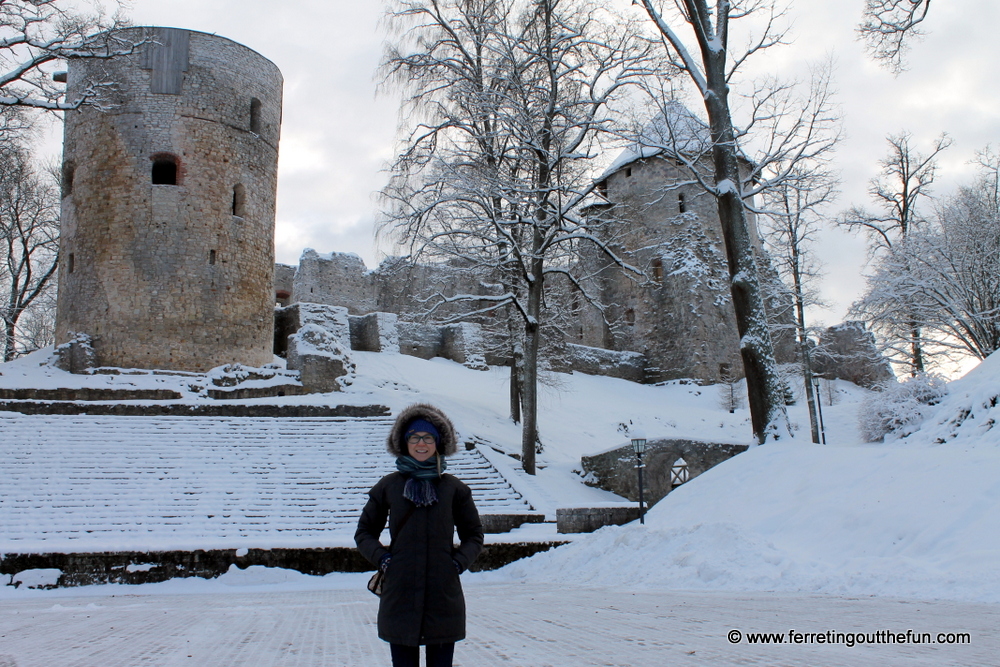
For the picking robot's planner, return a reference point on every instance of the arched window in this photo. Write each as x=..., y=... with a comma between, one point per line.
x=681, y=203
x=255, y=115
x=165, y=171
x=630, y=317
x=68, y=172
x=239, y=200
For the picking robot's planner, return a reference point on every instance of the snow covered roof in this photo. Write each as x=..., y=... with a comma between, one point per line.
x=674, y=131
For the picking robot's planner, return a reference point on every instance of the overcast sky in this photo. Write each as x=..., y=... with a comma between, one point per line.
x=337, y=134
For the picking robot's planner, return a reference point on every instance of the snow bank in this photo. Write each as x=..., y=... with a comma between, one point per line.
x=901, y=521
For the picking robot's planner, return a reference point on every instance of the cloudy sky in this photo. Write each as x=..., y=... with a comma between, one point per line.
x=337, y=134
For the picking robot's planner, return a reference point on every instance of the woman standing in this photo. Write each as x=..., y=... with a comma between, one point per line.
x=422, y=601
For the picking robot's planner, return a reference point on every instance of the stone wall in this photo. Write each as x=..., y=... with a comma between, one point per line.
x=167, y=230
x=848, y=352
x=615, y=470
x=681, y=318
x=337, y=279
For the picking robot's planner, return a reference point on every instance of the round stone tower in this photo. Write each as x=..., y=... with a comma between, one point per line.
x=167, y=235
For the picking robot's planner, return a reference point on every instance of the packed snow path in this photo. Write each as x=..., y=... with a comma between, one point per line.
x=93, y=483
x=514, y=625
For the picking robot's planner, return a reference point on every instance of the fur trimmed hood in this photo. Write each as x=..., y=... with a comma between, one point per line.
x=448, y=444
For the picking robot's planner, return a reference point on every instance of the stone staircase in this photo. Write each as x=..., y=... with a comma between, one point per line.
x=102, y=483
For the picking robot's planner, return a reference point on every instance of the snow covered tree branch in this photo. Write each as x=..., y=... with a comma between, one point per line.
x=886, y=26
x=697, y=38
x=29, y=239
x=37, y=35
x=507, y=101
x=943, y=279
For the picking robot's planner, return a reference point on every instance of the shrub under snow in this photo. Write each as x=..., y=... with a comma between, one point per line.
x=900, y=407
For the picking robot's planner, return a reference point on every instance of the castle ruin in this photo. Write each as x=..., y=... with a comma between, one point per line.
x=167, y=228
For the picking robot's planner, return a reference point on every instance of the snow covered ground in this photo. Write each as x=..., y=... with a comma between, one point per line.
x=848, y=537
x=239, y=621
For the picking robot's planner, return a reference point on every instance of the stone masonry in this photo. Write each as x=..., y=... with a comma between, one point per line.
x=167, y=252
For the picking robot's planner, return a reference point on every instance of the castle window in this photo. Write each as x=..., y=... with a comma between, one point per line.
x=211, y=257
x=658, y=270
x=165, y=169
x=628, y=171
x=255, y=115
x=71, y=263
x=239, y=200
x=681, y=204
x=630, y=317
x=69, y=171
x=602, y=188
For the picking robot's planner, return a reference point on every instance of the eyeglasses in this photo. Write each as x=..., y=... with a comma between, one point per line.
x=427, y=439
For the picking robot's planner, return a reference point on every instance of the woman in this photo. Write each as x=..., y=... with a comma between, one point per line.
x=422, y=601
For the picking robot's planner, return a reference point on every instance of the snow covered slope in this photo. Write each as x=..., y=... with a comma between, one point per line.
x=917, y=518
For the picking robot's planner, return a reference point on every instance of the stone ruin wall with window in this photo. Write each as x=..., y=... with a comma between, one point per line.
x=679, y=324
x=682, y=317
x=167, y=253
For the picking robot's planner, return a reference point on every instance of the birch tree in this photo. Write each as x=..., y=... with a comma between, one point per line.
x=509, y=99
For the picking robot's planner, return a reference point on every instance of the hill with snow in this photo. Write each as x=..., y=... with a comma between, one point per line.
x=915, y=518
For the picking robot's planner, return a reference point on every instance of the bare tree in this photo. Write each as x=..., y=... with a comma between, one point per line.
x=905, y=179
x=943, y=279
x=793, y=218
x=511, y=99
x=36, y=35
x=696, y=37
x=886, y=26
x=29, y=238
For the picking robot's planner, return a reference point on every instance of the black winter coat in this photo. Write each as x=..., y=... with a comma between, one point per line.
x=422, y=600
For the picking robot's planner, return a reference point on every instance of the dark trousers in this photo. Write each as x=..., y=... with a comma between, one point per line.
x=438, y=655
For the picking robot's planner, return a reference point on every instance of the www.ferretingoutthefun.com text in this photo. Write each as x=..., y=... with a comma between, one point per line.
x=849, y=638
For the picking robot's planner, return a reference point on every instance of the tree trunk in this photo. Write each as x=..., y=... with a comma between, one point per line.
x=916, y=351
x=800, y=325
x=515, y=386
x=764, y=387
x=532, y=336
x=8, y=347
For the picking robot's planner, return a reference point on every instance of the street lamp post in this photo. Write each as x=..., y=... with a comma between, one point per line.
x=639, y=446
x=819, y=410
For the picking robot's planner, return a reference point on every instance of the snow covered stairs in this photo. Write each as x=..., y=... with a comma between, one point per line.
x=85, y=484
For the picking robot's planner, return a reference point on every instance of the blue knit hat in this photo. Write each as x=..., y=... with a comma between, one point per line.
x=421, y=426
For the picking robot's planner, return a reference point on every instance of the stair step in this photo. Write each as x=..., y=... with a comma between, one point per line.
x=79, y=482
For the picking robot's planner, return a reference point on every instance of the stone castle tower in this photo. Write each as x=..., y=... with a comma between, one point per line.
x=167, y=233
